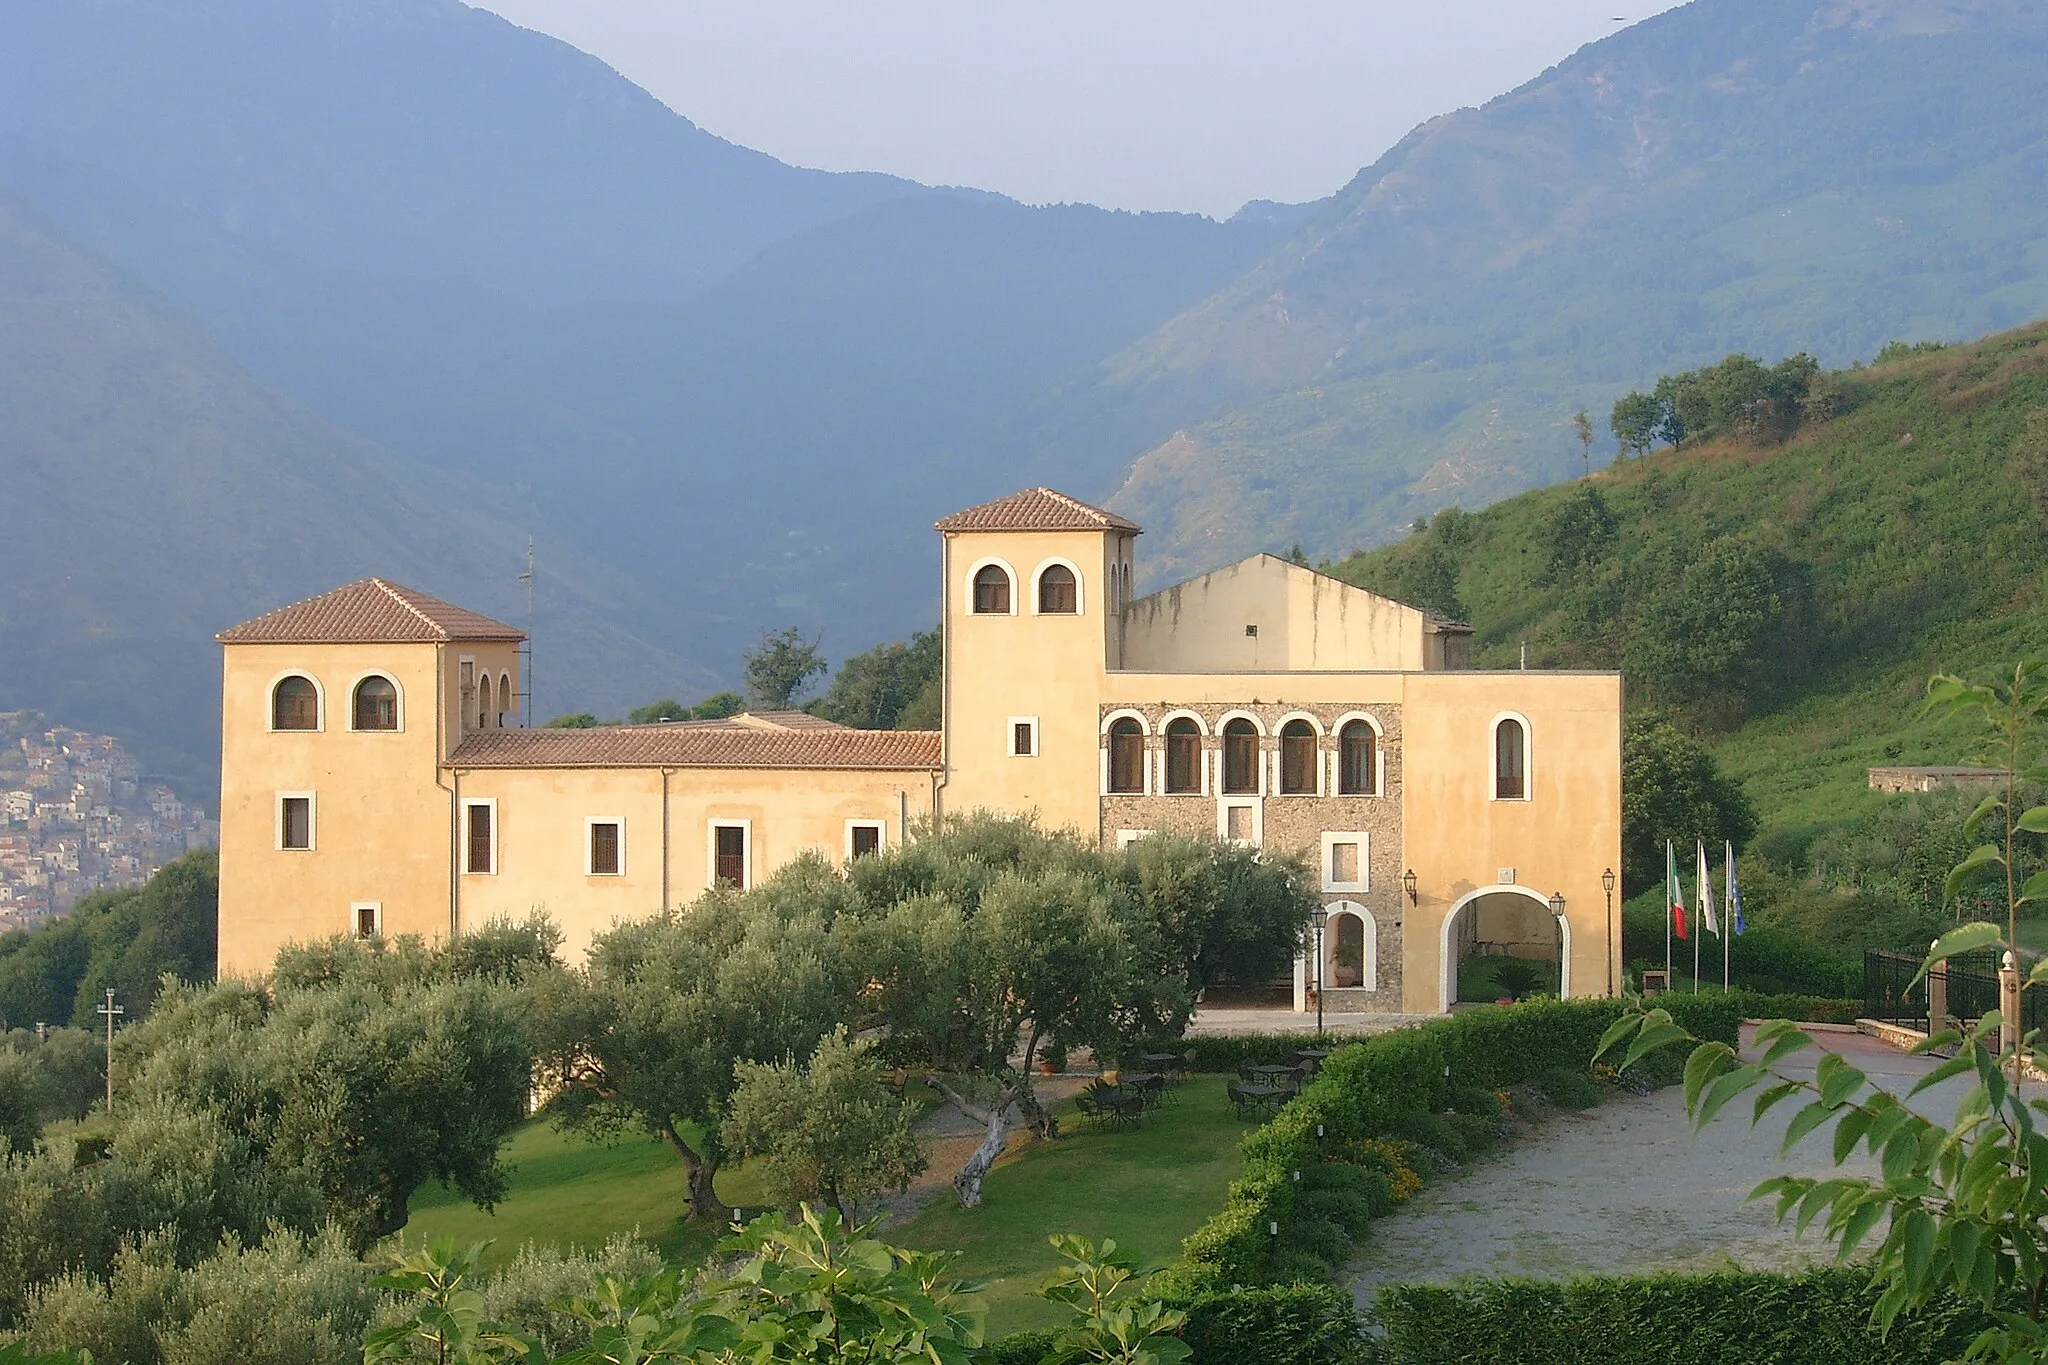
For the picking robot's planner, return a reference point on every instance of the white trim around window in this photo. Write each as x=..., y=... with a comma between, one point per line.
x=590, y=824
x=746, y=829
x=1361, y=841
x=881, y=829
x=355, y=920
x=397, y=688
x=312, y=821
x=1493, y=757
x=1010, y=744
x=470, y=803
x=1080, y=587
x=319, y=703
x=1016, y=585
x=1379, y=754
x=1126, y=837
x=1257, y=819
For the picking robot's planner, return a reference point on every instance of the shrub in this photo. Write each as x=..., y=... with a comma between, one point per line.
x=1568, y=1088
x=1820, y=1317
x=1287, y=1324
x=1018, y=1348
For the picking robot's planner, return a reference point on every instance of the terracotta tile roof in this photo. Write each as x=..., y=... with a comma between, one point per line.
x=717, y=745
x=371, y=611
x=1035, y=509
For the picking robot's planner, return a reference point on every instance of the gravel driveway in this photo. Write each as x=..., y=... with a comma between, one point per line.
x=1624, y=1187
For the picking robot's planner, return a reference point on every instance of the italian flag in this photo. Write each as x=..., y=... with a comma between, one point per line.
x=1673, y=892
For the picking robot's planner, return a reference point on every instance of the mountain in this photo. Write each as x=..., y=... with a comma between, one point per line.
x=156, y=494
x=1759, y=175
x=1787, y=601
x=747, y=388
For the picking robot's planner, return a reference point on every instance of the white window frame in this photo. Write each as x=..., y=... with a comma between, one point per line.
x=1332, y=838
x=1315, y=767
x=1257, y=806
x=399, y=704
x=355, y=910
x=319, y=703
x=1126, y=837
x=746, y=829
x=1379, y=755
x=1010, y=736
x=1080, y=587
x=881, y=828
x=1202, y=751
x=1145, y=786
x=312, y=817
x=590, y=824
x=1016, y=585
x=1493, y=758
x=1259, y=763
x=497, y=835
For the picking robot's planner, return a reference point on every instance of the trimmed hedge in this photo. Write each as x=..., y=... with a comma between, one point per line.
x=1223, y=1055
x=1292, y=1324
x=1387, y=1086
x=1820, y=1317
x=1807, y=1009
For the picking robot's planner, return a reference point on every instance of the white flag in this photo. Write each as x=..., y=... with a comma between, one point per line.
x=1707, y=892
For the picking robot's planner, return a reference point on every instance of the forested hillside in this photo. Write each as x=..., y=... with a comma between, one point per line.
x=1786, y=599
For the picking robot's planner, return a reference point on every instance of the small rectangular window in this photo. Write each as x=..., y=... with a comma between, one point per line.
x=295, y=822
x=863, y=837
x=607, y=848
x=1023, y=736
x=366, y=919
x=1346, y=861
x=1343, y=862
x=480, y=846
x=1237, y=824
x=730, y=856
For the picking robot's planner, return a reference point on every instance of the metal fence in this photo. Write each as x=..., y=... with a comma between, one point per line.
x=1891, y=994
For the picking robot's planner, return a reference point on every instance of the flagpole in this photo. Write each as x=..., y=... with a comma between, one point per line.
x=1668, y=913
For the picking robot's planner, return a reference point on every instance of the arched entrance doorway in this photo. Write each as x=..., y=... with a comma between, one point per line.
x=1495, y=925
x=1350, y=948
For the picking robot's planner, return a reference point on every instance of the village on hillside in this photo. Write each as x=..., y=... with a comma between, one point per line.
x=77, y=816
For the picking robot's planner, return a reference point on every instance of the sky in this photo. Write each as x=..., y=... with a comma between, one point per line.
x=1196, y=105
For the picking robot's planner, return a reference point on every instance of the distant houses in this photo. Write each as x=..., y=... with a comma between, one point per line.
x=1900, y=781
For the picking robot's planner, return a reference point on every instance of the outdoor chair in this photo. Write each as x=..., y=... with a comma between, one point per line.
x=1249, y=1099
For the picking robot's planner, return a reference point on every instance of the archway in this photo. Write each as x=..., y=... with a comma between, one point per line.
x=1502, y=924
x=1350, y=948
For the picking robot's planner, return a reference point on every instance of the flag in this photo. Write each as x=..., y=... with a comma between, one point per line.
x=1734, y=892
x=1706, y=891
x=1672, y=891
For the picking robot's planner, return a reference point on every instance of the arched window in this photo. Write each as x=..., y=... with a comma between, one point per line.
x=992, y=591
x=295, y=704
x=1240, y=758
x=486, y=714
x=1357, y=760
x=1510, y=761
x=1126, y=757
x=1298, y=758
x=1183, y=757
x=376, y=705
x=1058, y=594
x=505, y=700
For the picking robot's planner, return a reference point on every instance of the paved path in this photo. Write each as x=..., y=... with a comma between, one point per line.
x=1242, y=1020
x=1624, y=1187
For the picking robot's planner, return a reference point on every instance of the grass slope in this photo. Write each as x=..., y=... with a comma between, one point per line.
x=1905, y=546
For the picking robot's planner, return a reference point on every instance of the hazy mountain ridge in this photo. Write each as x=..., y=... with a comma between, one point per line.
x=1736, y=174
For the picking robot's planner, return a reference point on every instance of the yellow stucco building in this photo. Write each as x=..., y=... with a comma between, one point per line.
x=374, y=780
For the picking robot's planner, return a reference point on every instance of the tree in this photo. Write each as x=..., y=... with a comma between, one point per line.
x=1579, y=531
x=648, y=1034
x=1214, y=913
x=574, y=720
x=2028, y=462
x=780, y=669
x=876, y=690
x=1708, y=632
x=827, y=1132
x=718, y=706
x=1582, y=427
x=1671, y=789
x=655, y=712
x=1635, y=422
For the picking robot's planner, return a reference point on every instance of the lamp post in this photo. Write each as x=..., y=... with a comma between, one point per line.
x=1557, y=911
x=1319, y=917
x=1607, y=885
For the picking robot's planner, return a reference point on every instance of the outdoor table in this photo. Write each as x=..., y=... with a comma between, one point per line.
x=1257, y=1096
x=1270, y=1070
x=1148, y=1086
x=1314, y=1057
x=1162, y=1061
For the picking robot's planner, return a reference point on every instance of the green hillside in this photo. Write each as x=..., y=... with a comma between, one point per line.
x=1787, y=601
x=1761, y=175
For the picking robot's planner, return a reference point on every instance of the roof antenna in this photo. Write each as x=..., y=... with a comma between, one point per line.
x=526, y=674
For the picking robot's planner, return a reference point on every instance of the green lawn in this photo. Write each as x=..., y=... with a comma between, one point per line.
x=1148, y=1187
x=568, y=1191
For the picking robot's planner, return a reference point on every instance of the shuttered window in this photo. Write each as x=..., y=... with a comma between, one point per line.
x=1126, y=757
x=731, y=856
x=605, y=857
x=1183, y=757
x=479, y=850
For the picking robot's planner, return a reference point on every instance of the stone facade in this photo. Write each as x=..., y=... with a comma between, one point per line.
x=1287, y=824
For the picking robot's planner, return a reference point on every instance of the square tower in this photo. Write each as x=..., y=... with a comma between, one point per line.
x=1034, y=590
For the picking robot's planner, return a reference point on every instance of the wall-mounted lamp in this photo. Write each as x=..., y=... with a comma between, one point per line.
x=1408, y=884
x=1557, y=904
